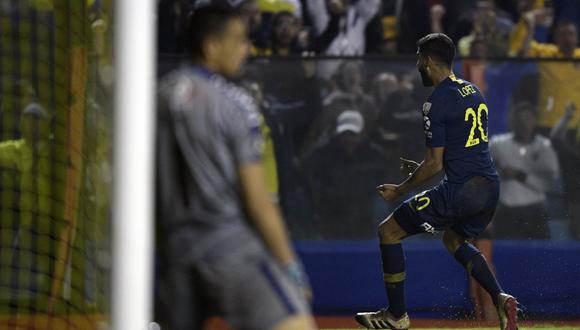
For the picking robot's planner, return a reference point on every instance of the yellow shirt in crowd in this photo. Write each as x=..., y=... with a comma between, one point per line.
x=559, y=84
x=269, y=160
x=35, y=178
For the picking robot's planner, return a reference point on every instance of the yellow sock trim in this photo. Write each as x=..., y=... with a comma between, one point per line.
x=394, y=278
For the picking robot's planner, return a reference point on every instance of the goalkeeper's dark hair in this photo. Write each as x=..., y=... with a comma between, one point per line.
x=438, y=46
x=206, y=22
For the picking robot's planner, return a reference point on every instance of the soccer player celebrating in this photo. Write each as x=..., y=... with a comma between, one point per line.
x=455, y=117
x=225, y=243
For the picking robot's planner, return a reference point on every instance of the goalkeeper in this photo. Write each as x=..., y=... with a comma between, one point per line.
x=225, y=244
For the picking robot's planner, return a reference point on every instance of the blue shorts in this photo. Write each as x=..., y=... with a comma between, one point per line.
x=466, y=208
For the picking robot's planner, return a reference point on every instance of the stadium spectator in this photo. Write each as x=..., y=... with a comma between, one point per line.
x=40, y=209
x=339, y=25
x=388, y=18
x=340, y=176
x=420, y=17
x=396, y=113
x=558, y=81
x=292, y=111
x=19, y=91
x=528, y=168
x=295, y=108
x=348, y=86
x=274, y=7
x=413, y=21
x=436, y=13
x=525, y=12
x=268, y=10
x=385, y=88
x=567, y=146
x=349, y=78
x=565, y=40
x=284, y=36
x=250, y=13
x=397, y=117
x=490, y=29
x=384, y=85
x=374, y=36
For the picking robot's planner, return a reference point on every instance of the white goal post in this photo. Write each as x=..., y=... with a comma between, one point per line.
x=133, y=176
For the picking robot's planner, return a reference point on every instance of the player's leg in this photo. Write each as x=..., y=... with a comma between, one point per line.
x=476, y=265
x=474, y=203
x=393, y=261
x=419, y=214
x=472, y=259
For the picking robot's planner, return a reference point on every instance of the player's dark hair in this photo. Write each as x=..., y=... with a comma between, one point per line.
x=206, y=22
x=438, y=46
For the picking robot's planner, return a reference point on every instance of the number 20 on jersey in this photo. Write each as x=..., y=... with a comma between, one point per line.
x=476, y=122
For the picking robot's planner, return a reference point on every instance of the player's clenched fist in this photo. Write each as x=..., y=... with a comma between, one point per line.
x=389, y=191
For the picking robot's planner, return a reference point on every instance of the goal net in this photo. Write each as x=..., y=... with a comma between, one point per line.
x=55, y=171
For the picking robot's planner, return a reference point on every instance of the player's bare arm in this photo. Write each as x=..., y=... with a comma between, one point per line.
x=265, y=216
x=267, y=219
x=431, y=166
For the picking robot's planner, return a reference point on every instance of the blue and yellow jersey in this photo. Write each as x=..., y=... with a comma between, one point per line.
x=456, y=117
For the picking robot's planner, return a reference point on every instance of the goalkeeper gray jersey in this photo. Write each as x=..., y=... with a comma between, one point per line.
x=208, y=129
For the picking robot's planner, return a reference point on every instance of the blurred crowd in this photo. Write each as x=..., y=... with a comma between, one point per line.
x=480, y=28
x=332, y=140
x=55, y=153
x=336, y=127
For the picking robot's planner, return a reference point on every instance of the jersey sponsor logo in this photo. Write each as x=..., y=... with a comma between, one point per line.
x=243, y=101
x=426, y=120
x=428, y=228
x=426, y=108
x=186, y=91
x=427, y=123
